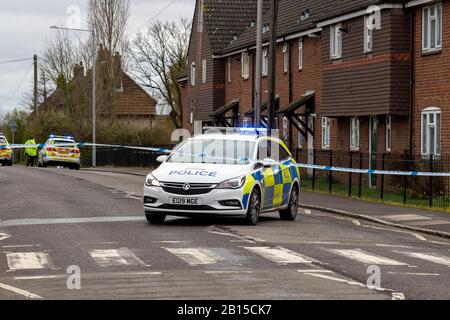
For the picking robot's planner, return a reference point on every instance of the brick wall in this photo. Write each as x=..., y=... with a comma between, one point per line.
x=432, y=85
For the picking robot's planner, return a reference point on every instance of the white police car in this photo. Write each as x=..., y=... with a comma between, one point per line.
x=5, y=151
x=59, y=151
x=232, y=175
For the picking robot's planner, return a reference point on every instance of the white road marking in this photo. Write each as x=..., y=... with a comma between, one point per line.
x=229, y=234
x=430, y=223
x=115, y=257
x=227, y=271
x=416, y=235
x=22, y=246
x=41, y=277
x=34, y=222
x=431, y=257
x=398, y=296
x=280, y=255
x=18, y=291
x=4, y=236
x=393, y=246
x=28, y=260
x=308, y=212
x=315, y=271
x=195, y=256
x=356, y=222
x=366, y=258
x=414, y=273
x=406, y=217
x=174, y=241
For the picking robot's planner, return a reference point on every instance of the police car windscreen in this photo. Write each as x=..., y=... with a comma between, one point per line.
x=64, y=143
x=214, y=151
x=2, y=141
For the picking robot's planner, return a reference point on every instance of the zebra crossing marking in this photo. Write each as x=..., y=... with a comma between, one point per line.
x=195, y=256
x=280, y=255
x=115, y=257
x=362, y=256
x=28, y=260
x=431, y=257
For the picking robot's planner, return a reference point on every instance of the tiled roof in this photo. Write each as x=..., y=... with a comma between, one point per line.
x=289, y=21
x=227, y=19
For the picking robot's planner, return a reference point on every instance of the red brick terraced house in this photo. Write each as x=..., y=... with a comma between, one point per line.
x=352, y=76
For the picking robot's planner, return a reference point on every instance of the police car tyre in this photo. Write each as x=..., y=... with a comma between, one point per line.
x=153, y=218
x=290, y=213
x=254, y=207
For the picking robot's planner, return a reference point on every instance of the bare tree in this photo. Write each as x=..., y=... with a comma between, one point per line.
x=109, y=18
x=158, y=56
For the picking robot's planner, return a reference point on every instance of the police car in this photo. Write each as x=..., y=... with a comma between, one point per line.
x=5, y=151
x=241, y=174
x=59, y=151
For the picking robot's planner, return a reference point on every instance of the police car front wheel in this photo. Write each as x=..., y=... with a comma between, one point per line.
x=254, y=206
x=290, y=213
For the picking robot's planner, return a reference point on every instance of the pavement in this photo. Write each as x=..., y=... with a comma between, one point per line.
x=424, y=221
x=58, y=225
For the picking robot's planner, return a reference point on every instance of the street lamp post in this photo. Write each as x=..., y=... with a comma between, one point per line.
x=94, y=87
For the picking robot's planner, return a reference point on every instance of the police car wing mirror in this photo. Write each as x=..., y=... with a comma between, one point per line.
x=162, y=158
x=268, y=163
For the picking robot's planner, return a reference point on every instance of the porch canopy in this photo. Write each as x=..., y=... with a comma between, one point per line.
x=251, y=113
x=290, y=112
x=220, y=114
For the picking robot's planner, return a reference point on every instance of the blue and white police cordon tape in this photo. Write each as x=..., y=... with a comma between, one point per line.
x=203, y=157
x=371, y=171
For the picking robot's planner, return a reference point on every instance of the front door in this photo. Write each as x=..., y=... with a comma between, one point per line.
x=373, y=124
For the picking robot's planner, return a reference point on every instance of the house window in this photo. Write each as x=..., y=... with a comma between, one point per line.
x=285, y=58
x=246, y=122
x=431, y=131
x=204, y=66
x=325, y=133
x=354, y=134
x=200, y=16
x=300, y=54
x=388, y=133
x=432, y=28
x=265, y=64
x=245, y=65
x=336, y=41
x=300, y=137
x=229, y=69
x=368, y=34
x=193, y=74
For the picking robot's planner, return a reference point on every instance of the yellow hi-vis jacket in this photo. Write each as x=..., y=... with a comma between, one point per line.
x=31, y=151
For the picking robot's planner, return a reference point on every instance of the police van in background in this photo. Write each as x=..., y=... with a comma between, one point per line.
x=238, y=174
x=5, y=151
x=59, y=151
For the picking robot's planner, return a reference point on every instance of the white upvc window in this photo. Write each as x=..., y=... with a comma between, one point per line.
x=432, y=28
x=336, y=41
x=368, y=34
x=245, y=58
x=246, y=122
x=354, y=134
x=193, y=74
x=431, y=131
x=388, y=133
x=265, y=62
x=300, y=137
x=229, y=69
x=325, y=133
x=285, y=58
x=300, y=54
x=204, y=70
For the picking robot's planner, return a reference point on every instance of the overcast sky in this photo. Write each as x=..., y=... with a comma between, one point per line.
x=24, y=29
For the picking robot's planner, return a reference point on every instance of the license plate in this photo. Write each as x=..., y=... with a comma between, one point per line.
x=186, y=201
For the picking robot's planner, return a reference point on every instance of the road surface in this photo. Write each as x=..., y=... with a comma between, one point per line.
x=55, y=223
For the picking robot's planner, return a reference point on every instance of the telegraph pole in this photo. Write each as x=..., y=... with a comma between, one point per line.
x=272, y=65
x=258, y=67
x=35, y=86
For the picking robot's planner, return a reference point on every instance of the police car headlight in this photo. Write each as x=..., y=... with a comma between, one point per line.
x=234, y=183
x=151, y=181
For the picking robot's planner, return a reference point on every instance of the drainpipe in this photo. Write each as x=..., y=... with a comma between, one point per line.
x=411, y=80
